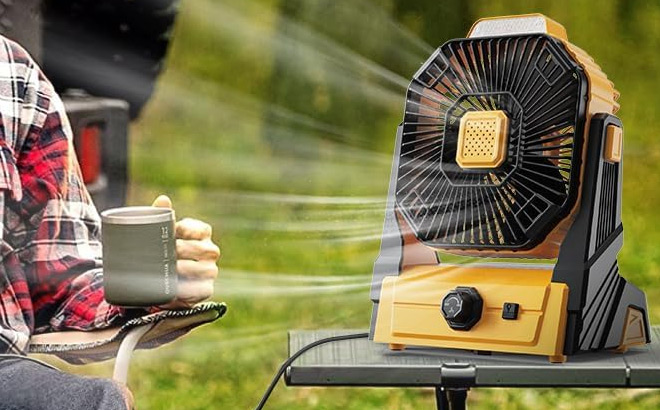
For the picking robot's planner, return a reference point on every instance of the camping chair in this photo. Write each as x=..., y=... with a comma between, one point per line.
x=145, y=332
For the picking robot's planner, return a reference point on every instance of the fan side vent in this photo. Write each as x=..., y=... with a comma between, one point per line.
x=606, y=220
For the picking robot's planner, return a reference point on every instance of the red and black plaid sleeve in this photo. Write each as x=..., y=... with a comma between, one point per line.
x=51, y=276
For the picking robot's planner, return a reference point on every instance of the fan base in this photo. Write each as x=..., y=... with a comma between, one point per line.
x=410, y=310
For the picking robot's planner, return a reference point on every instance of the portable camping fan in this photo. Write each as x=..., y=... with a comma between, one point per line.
x=508, y=148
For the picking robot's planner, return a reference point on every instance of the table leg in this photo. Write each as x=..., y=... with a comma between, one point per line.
x=451, y=399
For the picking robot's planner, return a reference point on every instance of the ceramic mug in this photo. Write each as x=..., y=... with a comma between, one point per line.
x=139, y=256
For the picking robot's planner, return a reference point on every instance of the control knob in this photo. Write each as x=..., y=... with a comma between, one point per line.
x=462, y=308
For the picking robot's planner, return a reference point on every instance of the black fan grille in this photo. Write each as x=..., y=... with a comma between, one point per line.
x=543, y=92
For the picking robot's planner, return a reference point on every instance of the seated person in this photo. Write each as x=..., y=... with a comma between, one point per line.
x=51, y=271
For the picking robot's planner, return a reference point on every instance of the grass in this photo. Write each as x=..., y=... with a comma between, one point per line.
x=263, y=126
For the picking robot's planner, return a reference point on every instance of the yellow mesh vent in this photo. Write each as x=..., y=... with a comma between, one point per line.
x=482, y=139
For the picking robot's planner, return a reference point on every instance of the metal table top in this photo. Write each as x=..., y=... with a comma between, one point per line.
x=361, y=362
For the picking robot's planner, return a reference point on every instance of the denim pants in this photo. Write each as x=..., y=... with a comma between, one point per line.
x=26, y=385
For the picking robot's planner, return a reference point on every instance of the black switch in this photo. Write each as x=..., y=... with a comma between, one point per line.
x=510, y=311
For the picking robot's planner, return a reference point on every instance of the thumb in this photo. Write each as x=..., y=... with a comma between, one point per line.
x=163, y=201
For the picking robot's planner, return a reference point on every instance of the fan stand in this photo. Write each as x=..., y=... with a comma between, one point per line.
x=399, y=246
x=604, y=310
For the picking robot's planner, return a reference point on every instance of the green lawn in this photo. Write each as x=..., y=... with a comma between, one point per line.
x=275, y=122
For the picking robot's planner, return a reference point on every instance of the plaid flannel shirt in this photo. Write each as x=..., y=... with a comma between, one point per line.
x=50, y=275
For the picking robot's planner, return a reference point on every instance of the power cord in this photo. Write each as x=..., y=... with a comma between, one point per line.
x=296, y=355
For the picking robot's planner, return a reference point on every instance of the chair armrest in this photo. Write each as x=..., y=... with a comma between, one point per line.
x=80, y=347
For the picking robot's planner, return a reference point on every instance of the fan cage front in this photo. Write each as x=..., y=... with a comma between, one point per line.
x=543, y=91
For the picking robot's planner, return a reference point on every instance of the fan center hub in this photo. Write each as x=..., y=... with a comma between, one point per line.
x=482, y=139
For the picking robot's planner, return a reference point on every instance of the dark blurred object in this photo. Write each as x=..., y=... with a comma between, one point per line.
x=111, y=48
x=21, y=21
x=100, y=129
x=104, y=57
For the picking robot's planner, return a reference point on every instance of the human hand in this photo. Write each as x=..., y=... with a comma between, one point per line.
x=197, y=258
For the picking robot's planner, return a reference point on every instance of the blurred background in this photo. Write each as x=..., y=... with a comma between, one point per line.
x=274, y=120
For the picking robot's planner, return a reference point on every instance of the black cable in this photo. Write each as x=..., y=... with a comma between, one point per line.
x=296, y=355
